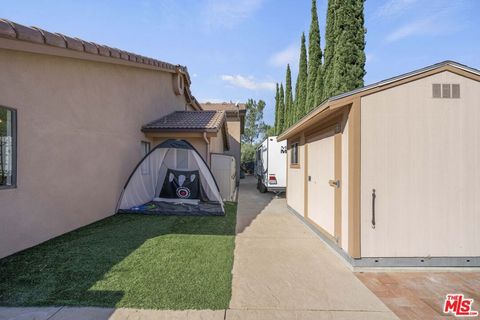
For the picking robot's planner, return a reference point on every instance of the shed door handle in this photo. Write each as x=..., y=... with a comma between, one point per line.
x=373, y=208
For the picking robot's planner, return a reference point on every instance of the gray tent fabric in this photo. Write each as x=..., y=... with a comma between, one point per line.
x=172, y=179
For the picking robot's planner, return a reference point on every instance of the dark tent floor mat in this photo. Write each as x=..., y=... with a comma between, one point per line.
x=177, y=209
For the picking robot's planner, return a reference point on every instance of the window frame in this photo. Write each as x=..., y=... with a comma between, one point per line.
x=294, y=150
x=144, y=144
x=14, y=149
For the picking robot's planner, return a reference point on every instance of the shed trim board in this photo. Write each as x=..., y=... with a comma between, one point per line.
x=341, y=100
x=381, y=262
x=345, y=111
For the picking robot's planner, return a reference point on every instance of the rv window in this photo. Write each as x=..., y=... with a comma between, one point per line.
x=182, y=159
x=294, y=153
x=7, y=148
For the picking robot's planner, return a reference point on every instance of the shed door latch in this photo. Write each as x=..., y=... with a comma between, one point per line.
x=334, y=183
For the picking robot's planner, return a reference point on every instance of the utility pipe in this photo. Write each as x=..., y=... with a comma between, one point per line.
x=208, y=147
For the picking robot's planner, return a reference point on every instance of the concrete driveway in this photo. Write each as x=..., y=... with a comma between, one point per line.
x=282, y=270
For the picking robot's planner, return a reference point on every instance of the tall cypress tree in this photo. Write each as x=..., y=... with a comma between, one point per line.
x=289, y=120
x=349, y=58
x=314, y=57
x=281, y=110
x=276, y=110
x=329, y=53
x=318, y=93
x=301, y=85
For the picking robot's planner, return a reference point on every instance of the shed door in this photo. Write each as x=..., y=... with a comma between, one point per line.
x=320, y=174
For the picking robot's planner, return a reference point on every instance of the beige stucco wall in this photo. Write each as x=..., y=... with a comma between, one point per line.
x=235, y=142
x=217, y=144
x=78, y=140
x=422, y=156
x=295, y=180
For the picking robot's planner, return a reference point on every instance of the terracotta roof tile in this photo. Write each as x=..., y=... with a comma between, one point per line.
x=52, y=38
x=12, y=30
x=15, y=31
x=27, y=34
x=115, y=53
x=90, y=47
x=188, y=121
x=123, y=55
x=72, y=43
x=7, y=30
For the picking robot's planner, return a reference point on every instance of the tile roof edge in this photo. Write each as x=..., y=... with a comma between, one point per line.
x=14, y=31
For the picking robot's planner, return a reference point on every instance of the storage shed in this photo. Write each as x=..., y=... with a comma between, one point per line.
x=389, y=174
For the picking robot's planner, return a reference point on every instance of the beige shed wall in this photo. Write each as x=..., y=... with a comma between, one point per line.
x=78, y=140
x=422, y=156
x=296, y=181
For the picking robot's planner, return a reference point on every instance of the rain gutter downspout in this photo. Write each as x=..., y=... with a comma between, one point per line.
x=208, y=147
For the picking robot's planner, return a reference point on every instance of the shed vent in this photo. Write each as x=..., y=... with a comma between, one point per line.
x=456, y=91
x=445, y=90
x=437, y=90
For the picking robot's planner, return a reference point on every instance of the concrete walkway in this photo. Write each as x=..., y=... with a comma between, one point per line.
x=282, y=270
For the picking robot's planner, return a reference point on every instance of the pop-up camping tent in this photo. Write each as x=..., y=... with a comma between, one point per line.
x=172, y=179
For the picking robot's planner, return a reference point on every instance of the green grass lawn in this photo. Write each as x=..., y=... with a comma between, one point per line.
x=132, y=261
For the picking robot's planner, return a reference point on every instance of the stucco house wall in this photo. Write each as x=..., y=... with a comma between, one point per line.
x=234, y=134
x=78, y=139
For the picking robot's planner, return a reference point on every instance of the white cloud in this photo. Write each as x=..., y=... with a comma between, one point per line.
x=434, y=25
x=418, y=27
x=229, y=13
x=394, y=7
x=289, y=55
x=248, y=82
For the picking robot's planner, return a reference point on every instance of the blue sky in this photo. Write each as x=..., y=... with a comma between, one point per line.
x=238, y=49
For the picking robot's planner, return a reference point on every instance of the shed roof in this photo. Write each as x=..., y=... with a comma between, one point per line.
x=344, y=99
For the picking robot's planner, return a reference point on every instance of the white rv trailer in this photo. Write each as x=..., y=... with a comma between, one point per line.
x=271, y=165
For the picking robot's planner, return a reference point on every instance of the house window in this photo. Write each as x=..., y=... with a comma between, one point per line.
x=8, y=148
x=145, y=148
x=294, y=153
x=182, y=159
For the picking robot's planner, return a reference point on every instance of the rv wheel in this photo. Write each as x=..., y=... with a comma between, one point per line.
x=262, y=188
